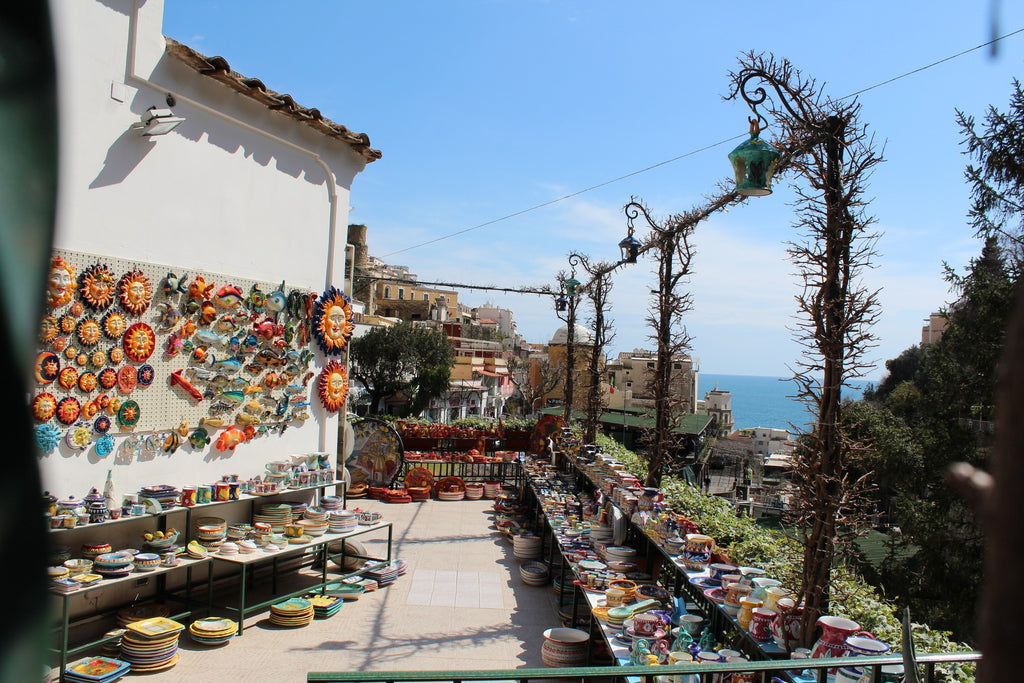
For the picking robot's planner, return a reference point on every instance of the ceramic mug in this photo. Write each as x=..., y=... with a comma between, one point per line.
x=204, y=494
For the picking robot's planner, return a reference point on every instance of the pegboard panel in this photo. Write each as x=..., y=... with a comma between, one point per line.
x=244, y=346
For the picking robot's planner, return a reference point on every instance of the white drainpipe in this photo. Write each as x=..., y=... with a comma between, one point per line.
x=332, y=187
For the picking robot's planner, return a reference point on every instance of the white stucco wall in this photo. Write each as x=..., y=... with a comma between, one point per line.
x=211, y=195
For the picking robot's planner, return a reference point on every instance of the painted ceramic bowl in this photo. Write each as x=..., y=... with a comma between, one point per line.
x=146, y=562
x=163, y=543
x=78, y=566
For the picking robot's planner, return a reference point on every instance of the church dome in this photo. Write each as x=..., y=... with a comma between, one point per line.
x=581, y=336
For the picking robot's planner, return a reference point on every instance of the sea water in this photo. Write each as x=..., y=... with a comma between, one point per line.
x=765, y=401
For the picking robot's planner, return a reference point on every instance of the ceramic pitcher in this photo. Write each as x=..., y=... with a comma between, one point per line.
x=786, y=624
x=834, y=632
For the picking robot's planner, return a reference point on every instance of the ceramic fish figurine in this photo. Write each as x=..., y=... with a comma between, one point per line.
x=276, y=301
x=296, y=305
x=230, y=438
x=201, y=374
x=267, y=329
x=199, y=438
x=174, y=285
x=230, y=366
x=256, y=299
x=207, y=312
x=177, y=379
x=300, y=411
x=213, y=422
x=209, y=338
x=227, y=323
x=199, y=290
x=229, y=296
x=235, y=397
x=246, y=419
x=169, y=316
x=171, y=443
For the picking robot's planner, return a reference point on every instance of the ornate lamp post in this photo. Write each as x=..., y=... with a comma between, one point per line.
x=831, y=317
x=566, y=303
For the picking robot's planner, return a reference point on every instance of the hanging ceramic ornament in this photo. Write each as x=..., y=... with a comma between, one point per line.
x=101, y=425
x=276, y=301
x=116, y=355
x=113, y=325
x=60, y=286
x=81, y=359
x=104, y=445
x=199, y=438
x=332, y=385
x=332, y=321
x=79, y=437
x=68, y=378
x=87, y=382
x=68, y=410
x=89, y=410
x=89, y=332
x=135, y=291
x=127, y=377
x=47, y=367
x=128, y=414
x=59, y=343
x=146, y=375
x=107, y=378
x=200, y=290
x=98, y=358
x=48, y=330
x=97, y=286
x=139, y=342
x=44, y=406
x=229, y=296
x=47, y=437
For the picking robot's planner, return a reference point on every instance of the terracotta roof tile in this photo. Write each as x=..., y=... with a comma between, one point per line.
x=219, y=69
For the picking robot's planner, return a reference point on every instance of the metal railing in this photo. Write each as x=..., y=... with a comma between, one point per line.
x=772, y=670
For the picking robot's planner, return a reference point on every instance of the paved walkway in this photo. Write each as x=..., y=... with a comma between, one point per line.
x=461, y=605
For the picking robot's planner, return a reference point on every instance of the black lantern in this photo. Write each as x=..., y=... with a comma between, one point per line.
x=560, y=303
x=630, y=247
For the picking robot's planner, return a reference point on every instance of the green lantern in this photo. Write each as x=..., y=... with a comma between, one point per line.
x=571, y=284
x=754, y=162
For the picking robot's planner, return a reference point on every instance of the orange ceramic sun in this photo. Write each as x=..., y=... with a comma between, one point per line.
x=113, y=325
x=135, y=291
x=60, y=287
x=59, y=343
x=87, y=382
x=116, y=355
x=44, y=406
x=98, y=358
x=332, y=385
x=48, y=329
x=68, y=410
x=68, y=378
x=139, y=342
x=97, y=286
x=332, y=321
x=89, y=332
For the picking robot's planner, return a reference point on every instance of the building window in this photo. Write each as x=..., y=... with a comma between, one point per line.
x=387, y=292
x=650, y=366
x=401, y=294
x=629, y=384
x=677, y=366
x=426, y=297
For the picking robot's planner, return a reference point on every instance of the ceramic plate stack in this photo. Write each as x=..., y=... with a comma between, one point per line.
x=112, y=647
x=113, y=565
x=292, y=613
x=135, y=613
x=167, y=496
x=345, y=590
x=418, y=493
x=212, y=630
x=277, y=516
x=340, y=521
x=332, y=503
x=151, y=644
x=386, y=575
x=210, y=531
x=527, y=546
x=247, y=547
x=565, y=647
x=196, y=550
x=534, y=573
x=619, y=553
x=229, y=548
x=90, y=551
x=315, y=514
x=313, y=528
x=599, y=533
x=492, y=489
x=324, y=606
x=237, y=532
x=298, y=510
x=450, y=488
x=95, y=670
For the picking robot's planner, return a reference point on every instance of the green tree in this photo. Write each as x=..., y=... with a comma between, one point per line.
x=402, y=359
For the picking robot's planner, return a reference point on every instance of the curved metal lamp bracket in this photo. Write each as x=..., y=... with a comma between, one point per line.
x=634, y=210
x=758, y=95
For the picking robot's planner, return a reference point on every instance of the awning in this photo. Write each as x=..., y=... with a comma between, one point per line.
x=490, y=374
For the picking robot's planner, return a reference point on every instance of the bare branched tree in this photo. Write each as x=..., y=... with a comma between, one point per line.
x=833, y=155
x=597, y=291
x=547, y=378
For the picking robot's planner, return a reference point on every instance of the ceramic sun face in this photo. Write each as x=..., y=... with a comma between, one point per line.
x=332, y=385
x=60, y=287
x=139, y=342
x=98, y=287
x=128, y=414
x=113, y=325
x=68, y=378
x=135, y=291
x=89, y=332
x=332, y=321
x=44, y=406
x=108, y=378
x=47, y=367
x=48, y=329
x=68, y=410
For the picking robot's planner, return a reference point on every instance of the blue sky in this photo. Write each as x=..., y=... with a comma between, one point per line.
x=484, y=109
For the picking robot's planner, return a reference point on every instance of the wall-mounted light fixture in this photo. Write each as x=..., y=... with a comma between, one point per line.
x=157, y=122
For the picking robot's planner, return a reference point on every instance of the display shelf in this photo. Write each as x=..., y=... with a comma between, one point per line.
x=65, y=653
x=319, y=545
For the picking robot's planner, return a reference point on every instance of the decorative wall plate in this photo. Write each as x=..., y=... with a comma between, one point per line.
x=128, y=414
x=47, y=367
x=107, y=378
x=146, y=375
x=135, y=291
x=68, y=410
x=44, y=406
x=113, y=325
x=97, y=286
x=59, y=343
x=79, y=437
x=47, y=437
x=48, y=329
x=102, y=424
x=332, y=321
x=127, y=377
x=68, y=378
x=139, y=342
x=87, y=382
x=77, y=309
x=332, y=385
x=89, y=331
x=104, y=445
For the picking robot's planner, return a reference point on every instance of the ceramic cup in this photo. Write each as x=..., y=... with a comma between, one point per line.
x=691, y=623
x=204, y=494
